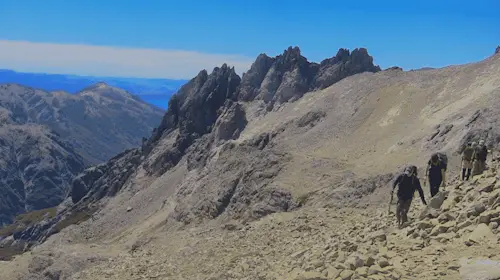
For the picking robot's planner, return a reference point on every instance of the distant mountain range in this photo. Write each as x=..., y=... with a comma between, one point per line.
x=154, y=91
x=47, y=138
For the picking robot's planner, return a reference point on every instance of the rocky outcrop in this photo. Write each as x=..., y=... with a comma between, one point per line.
x=231, y=122
x=497, y=50
x=105, y=179
x=236, y=184
x=343, y=65
x=192, y=112
x=251, y=80
x=289, y=75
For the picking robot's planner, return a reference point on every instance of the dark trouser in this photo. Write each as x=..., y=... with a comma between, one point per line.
x=478, y=167
x=402, y=210
x=466, y=169
x=466, y=173
x=434, y=184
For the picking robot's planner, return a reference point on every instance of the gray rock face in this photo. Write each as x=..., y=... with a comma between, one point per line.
x=246, y=194
x=36, y=168
x=252, y=79
x=231, y=122
x=289, y=75
x=192, y=112
x=497, y=50
x=105, y=179
x=343, y=65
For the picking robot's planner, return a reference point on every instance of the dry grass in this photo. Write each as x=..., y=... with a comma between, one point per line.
x=8, y=253
x=26, y=220
x=73, y=219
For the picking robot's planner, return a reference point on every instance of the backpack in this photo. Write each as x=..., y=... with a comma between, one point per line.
x=468, y=153
x=443, y=159
x=480, y=153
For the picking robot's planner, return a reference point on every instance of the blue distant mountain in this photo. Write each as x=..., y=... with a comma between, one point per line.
x=154, y=91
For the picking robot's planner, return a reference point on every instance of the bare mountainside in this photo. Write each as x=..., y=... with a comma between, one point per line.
x=100, y=121
x=262, y=186
x=48, y=138
x=36, y=169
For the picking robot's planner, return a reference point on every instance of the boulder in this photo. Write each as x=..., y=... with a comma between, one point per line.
x=374, y=270
x=362, y=271
x=346, y=274
x=369, y=261
x=445, y=217
x=332, y=272
x=311, y=275
x=379, y=236
x=442, y=228
x=494, y=225
x=383, y=262
x=479, y=269
x=438, y=199
x=429, y=212
x=464, y=224
x=476, y=209
x=425, y=225
x=354, y=262
x=482, y=234
x=493, y=196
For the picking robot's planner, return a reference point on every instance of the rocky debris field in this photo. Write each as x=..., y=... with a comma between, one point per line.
x=455, y=237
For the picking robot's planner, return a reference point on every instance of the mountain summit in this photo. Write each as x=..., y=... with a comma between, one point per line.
x=288, y=76
x=102, y=89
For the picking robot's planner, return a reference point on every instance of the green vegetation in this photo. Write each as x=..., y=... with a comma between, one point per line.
x=26, y=220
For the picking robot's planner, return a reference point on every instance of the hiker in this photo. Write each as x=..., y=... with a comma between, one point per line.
x=436, y=172
x=407, y=183
x=484, y=154
x=467, y=156
x=480, y=155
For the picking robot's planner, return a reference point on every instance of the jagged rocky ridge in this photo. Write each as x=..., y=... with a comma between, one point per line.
x=201, y=117
x=288, y=76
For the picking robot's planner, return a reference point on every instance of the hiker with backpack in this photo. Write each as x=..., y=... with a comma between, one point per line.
x=407, y=183
x=480, y=155
x=436, y=172
x=467, y=156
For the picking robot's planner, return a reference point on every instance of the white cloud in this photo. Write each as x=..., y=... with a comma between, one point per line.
x=112, y=61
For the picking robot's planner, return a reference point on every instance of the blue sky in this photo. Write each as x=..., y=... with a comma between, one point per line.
x=176, y=39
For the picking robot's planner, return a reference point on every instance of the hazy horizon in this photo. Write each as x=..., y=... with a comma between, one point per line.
x=170, y=40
